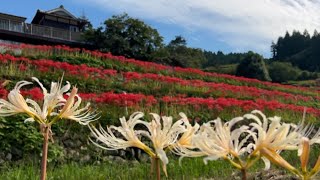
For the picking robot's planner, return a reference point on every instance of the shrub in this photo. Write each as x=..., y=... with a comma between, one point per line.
x=283, y=71
x=253, y=66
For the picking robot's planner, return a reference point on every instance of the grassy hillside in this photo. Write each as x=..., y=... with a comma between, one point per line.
x=118, y=86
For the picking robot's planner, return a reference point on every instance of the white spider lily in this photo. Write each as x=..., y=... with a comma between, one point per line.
x=163, y=134
x=274, y=137
x=48, y=114
x=304, y=160
x=130, y=136
x=185, y=145
x=220, y=141
x=304, y=157
x=71, y=110
x=186, y=139
x=304, y=172
x=17, y=104
x=52, y=100
x=306, y=131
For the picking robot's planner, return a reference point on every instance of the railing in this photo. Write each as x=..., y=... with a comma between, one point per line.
x=44, y=31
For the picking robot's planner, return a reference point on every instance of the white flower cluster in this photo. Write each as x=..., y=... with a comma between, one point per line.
x=54, y=105
x=241, y=141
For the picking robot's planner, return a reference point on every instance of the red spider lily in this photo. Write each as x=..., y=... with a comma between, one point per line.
x=221, y=87
x=146, y=66
x=45, y=65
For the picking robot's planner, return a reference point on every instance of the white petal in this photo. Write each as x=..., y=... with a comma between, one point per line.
x=162, y=155
x=210, y=158
x=266, y=162
x=29, y=120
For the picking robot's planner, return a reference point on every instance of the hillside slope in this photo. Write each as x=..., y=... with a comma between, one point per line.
x=117, y=86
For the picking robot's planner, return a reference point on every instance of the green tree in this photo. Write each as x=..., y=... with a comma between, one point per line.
x=300, y=49
x=217, y=59
x=126, y=36
x=283, y=72
x=95, y=37
x=253, y=66
x=176, y=53
x=178, y=41
x=293, y=48
x=290, y=44
x=273, y=50
x=183, y=56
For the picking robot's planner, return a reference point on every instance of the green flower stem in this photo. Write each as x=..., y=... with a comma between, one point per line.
x=238, y=166
x=305, y=177
x=243, y=166
x=54, y=120
x=251, y=161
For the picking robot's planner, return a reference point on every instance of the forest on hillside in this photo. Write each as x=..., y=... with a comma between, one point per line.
x=300, y=49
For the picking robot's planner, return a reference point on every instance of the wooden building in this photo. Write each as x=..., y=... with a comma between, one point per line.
x=56, y=26
x=59, y=18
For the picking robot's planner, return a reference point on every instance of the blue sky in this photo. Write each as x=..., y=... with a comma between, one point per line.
x=226, y=25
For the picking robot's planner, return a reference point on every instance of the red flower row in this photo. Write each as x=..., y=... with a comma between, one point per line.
x=85, y=71
x=220, y=87
x=111, y=98
x=140, y=100
x=222, y=103
x=147, y=66
x=44, y=65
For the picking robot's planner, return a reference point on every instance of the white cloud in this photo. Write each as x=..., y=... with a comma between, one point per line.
x=242, y=24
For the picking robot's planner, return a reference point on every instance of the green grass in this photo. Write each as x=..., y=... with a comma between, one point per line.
x=223, y=69
x=191, y=168
x=305, y=83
